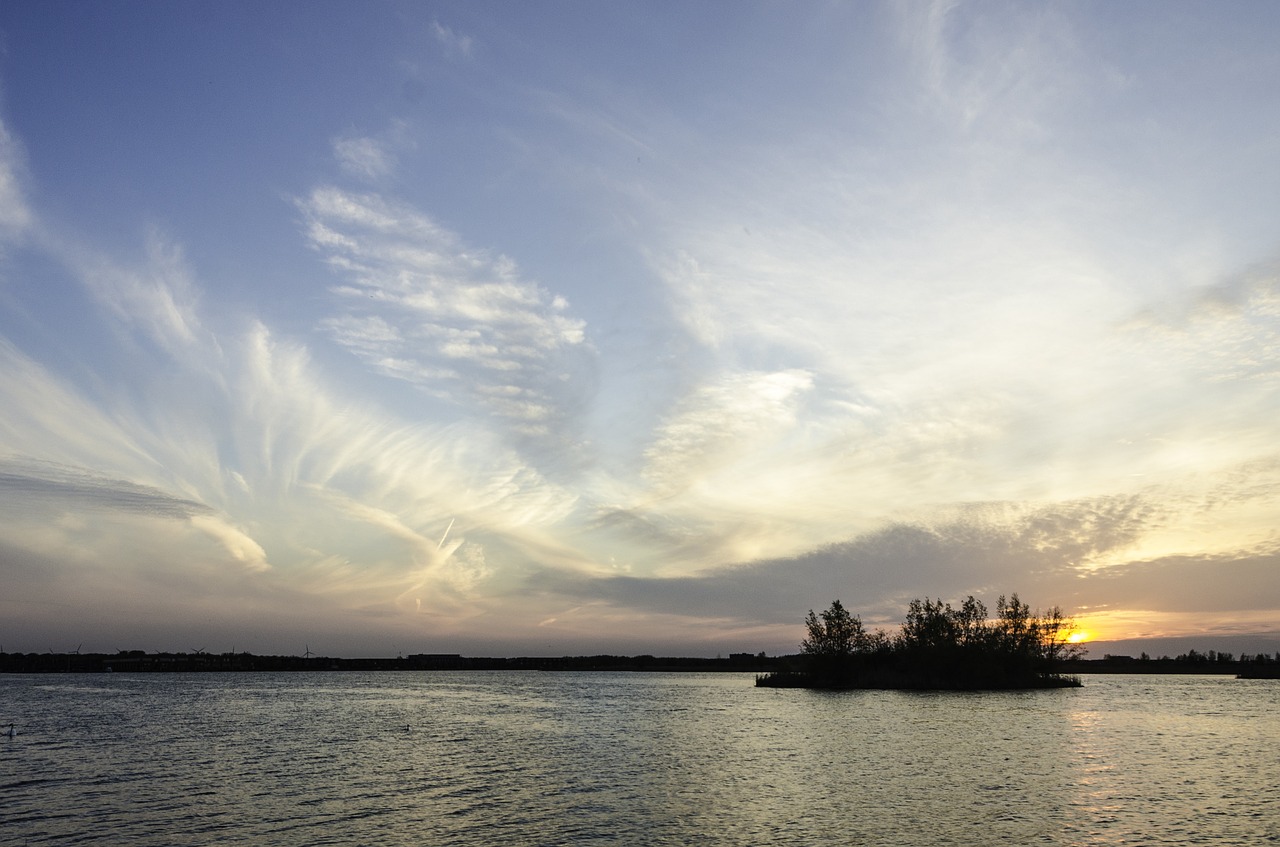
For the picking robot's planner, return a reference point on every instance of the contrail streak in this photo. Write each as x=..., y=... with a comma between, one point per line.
x=446, y=533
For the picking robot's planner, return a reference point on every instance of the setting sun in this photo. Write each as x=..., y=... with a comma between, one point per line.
x=1080, y=636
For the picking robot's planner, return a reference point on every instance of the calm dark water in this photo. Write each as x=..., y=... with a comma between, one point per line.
x=577, y=758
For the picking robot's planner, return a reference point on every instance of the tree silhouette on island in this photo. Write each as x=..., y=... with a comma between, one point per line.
x=937, y=647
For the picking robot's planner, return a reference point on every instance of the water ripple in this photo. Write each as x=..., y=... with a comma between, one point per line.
x=649, y=759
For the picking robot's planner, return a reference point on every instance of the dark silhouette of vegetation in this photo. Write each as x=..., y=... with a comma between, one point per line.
x=937, y=647
x=1260, y=666
x=1247, y=666
x=821, y=652
x=138, y=661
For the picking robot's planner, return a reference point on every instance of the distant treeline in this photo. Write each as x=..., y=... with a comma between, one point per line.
x=1247, y=666
x=936, y=647
x=138, y=661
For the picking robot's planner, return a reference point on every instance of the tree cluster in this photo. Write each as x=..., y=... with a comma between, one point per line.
x=937, y=646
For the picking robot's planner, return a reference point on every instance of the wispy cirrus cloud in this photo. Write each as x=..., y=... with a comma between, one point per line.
x=364, y=157
x=373, y=157
x=38, y=490
x=724, y=421
x=156, y=298
x=15, y=214
x=460, y=323
x=239, y=449
x=994, y=72
x=453, y=42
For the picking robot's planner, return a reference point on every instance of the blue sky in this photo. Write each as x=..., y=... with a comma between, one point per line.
x=572, y=327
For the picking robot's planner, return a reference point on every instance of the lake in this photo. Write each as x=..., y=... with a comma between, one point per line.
x=474, y=758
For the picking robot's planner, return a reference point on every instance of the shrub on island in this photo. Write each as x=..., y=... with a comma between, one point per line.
x=937, y=647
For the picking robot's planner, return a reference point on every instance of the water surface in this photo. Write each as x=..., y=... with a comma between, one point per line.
x=473, y=758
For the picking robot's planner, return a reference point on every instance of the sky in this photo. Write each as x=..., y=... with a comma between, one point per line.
x=507, y=328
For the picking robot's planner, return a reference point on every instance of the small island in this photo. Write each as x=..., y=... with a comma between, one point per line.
x=936, y=648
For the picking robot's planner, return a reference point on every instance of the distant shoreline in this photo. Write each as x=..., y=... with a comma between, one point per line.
x=137, y=661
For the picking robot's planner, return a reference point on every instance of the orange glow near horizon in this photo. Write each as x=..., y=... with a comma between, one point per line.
x=1080, y=636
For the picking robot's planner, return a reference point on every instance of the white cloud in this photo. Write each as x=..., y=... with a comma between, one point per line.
x=44, y=417
x=283, y=460
x=237, y=448
x=420, y=305
x=453, y=42
x=368, y=158
x=731, y=419
x=15, y=215
x=238, y=545
x=987, y=70
x=157, y=298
